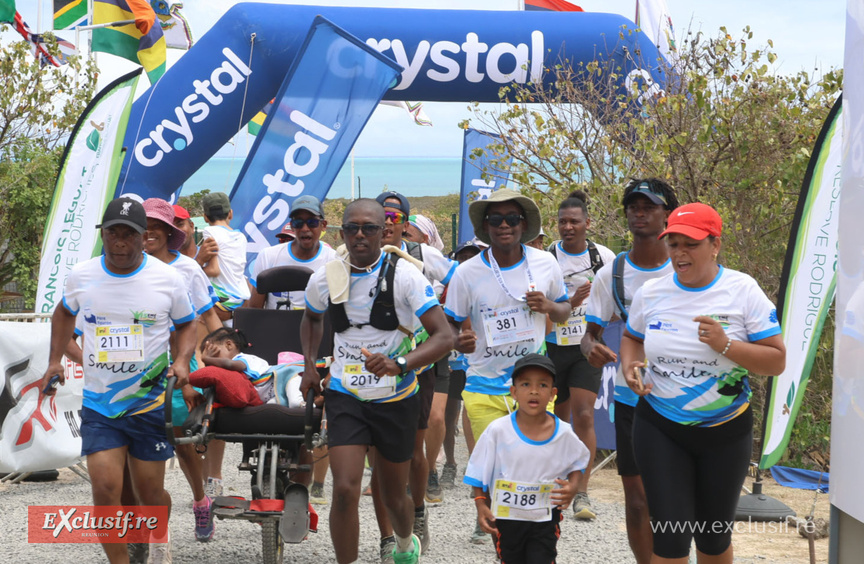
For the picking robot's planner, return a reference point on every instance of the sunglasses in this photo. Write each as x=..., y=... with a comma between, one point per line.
x=512, y=219
x=368, y=229
x=395, y=216
x=312, y=222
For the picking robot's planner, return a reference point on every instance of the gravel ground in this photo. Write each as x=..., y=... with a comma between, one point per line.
x=451, y=524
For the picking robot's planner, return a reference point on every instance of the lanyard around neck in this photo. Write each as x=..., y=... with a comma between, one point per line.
x=496, y=270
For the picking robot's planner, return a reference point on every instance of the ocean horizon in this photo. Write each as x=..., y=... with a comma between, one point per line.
x=410, y=176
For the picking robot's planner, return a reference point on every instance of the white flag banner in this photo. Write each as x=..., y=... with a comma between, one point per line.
x=88, y=176
x=37, y=432
x=654, y=19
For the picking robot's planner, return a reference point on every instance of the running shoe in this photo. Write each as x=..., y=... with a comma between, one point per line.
x=138, y=552
x=582, y=507
x=408, y=557
x=388, y=545
x=433, y=489
x=213, y=489
x=204, y=524
x=316, y=495
x=479, y=536
x=448, y=475
x=160, y=553
x=421, y=527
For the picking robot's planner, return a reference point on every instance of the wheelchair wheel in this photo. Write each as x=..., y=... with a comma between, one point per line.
x=272, y=546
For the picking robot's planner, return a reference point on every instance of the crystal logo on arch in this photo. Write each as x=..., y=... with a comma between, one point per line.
x=176, y=134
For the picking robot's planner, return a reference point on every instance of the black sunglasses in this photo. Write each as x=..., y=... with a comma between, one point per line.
x=312, y=222
x=369, y=229
x=512, y=219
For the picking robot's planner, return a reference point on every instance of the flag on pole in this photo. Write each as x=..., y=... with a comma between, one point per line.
x=414, y=109
x=69, y=14
x=807, y=284
x=37, y=43
x=139, y=42
x=88, y=174
x=257, y=122
x=7, y=10
x=175, y=27
x=654, y=19
x=476, y=154
x=551, y=6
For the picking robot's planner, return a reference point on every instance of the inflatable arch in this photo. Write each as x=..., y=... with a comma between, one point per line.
x=447, y=56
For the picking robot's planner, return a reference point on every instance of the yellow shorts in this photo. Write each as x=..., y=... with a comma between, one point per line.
x=483, y=409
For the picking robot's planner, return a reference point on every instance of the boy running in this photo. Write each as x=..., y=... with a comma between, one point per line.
x=525, y=469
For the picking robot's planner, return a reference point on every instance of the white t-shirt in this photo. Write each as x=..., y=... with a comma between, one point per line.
x=198, y=286
x=231, y=282
x=506, y=328
x=282, y=255
x=576, y=269
x=505, y=457
x=436, y=267
x=601, y=306
x=259, y=373
x=413, y=296
x=693, y=385
x=127, y=321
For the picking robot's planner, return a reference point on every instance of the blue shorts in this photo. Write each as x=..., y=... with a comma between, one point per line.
x=143, y=434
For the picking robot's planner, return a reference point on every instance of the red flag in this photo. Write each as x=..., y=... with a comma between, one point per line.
x=551, y=6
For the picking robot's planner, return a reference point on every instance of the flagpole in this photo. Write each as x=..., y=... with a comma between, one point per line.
x=38, y=16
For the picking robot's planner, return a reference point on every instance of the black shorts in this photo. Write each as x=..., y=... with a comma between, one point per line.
x=457, y=384
x=442, y=377
x=573, y=371
x=625, y=458
x=527, y=542
x=389, y=427
x=426, y=379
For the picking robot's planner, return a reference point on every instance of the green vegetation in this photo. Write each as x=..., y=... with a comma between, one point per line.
x=38, y=108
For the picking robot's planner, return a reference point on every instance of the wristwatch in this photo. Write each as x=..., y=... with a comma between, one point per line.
x=402, y=364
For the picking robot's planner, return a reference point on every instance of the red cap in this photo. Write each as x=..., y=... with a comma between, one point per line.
x=696, y=221
x=286, y=233
x=180, y=212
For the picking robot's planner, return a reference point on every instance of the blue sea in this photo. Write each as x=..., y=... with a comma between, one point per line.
x=410, y=176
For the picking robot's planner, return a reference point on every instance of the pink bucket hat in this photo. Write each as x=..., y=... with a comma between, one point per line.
x=164, y=212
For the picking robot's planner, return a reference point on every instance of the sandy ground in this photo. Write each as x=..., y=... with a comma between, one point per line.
x=600, y=541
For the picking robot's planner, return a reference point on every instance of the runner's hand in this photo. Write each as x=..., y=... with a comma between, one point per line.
x=563, y=496
x=56, y=369
x=601, y=355
x=581, y=295
x=467, y=341
x=310, y=380
x=486, y=519
x=206, y=251
x=181, y=373
x=380, y=365
x=538, y=302
x=191, y=397
x=633, y=376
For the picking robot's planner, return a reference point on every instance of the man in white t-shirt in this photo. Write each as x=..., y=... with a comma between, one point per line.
x=371, y=399
x=647, y=204
x=129, y=303
x=307, y=250
x=506, y=291
x=227, y=269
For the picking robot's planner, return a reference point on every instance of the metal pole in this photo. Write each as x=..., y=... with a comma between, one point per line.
x=110, y=24
x=453, y=234
x=352, y=174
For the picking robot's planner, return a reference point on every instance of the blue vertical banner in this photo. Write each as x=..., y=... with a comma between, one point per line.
x=327, y=97
x=604, y=405
x=474, y=186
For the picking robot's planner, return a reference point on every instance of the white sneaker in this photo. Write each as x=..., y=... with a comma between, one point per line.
x=160, y=553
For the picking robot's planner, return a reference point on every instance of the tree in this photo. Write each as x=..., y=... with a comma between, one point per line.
x=38, y=108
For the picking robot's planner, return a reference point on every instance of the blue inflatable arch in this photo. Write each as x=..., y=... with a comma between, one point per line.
x=447, y=56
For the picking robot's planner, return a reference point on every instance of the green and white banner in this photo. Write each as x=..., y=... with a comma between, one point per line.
x=87, y=178
x=807, y=285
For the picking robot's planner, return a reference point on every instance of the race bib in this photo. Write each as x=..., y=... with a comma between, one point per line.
x=570, y=332
x=119, y=343
x=521, y=501
x=366, y=385
x=508, y=325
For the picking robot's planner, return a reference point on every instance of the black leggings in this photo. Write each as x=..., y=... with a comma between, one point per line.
x=693, y=478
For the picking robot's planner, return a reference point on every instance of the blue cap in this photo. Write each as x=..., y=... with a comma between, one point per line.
x=308, y=203
x=403, y=206
x=646, y=189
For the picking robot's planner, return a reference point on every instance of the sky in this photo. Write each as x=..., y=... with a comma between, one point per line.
x=806, y=35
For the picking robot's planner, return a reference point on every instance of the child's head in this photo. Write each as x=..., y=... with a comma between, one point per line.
x=217, y=207
x=533, y=384
x=225, y=343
